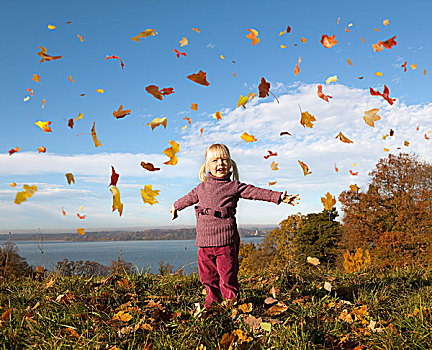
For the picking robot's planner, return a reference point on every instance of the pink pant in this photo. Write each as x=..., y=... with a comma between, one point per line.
x=218, y=268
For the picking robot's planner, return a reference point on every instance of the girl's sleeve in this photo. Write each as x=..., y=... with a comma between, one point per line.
x=258, y=194
x=188, y=200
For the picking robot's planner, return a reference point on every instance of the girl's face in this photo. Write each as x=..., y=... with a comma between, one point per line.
x=219, y=166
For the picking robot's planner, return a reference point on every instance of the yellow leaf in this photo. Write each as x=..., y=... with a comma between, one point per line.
x=183, y=41
x=222, y=56
x=331, y=79
x=413, y=66
x=343, y=138
x=184, y=127
x=80, y=116
x=144, y=34
x=353, y=188
x=217, y=115
x=25, y=99
x=386, y=22
x=305, y=168
x=253, y=35
x=245, y=308
x=158, y=121
x=81, y=231
x=101, y=91
x=70, y=78
x=283, y=47
x=245, y=99
x=148, y=194
x=28, y=192
x=307, y=119
x=248, y=138
x=80, y=37
x=378, y=74
x=70, y=178
x=328, y=201
x=371, y=116
x=44, y=125
x=117, y=204
x=312, y=261
x=13, y=184
x=51, y=26
x=122, y=316
x=171, y=153
x=93, y=132
x=274, y=166
x=386, y=150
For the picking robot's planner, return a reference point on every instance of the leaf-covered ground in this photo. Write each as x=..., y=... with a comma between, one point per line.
x=374, y=310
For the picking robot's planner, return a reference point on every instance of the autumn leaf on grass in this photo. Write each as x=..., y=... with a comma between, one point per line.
x=117, y=204
x=171, y=153
x=45, y=57
x=148, y=194
x=122, y=316
x=199, y=78
x=245, y=308
x=149, y=166
x=44, y=125
x=70, y=178
x=253, y=35
x=93, y=133
x=328, y=41
x=217, y=115
x=41, y=149
x=144, y=34
x=321, y=95
x=312, y=261
x=297, y=68
x=384, y=94
x=388, y=44
x=271, y=154
x=117, y=58
x=274, y=166
x=343, y=138
x=307, y=119
x=28, y=192
x=305, y=168
x=178, y=53
x=248, y=138
x=36, y=78
x=120, y=113
x=14, y=150
x=194, y=106
x=328, y=201
x=158, y=121
x=371, y=116
x=114, y=177
x=245, y=99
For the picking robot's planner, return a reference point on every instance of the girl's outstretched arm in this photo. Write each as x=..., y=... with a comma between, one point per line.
x=290, y=199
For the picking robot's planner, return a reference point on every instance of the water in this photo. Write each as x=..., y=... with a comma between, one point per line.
x=142, y=254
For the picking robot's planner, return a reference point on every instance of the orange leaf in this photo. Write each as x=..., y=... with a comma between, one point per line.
x=305, y=168
x=63, y=212
x=406, y=143
x=321, y=95
x=196, y=30
x=188, y=119
x=199, y=78
x=36, y=78
x=272, y=183
x=217, y=115
x=328, y=201
x=194, y=106
x=14, y=150
x=253, y=35
x=353, y=173
x=336, y=168
x=371, y=116
x=248, y=138
x=114, y=177
x=328, y=41
x=41, y=149
x=13, y=184
x=274, y=166
x=386, y=22
x=245, y=99
x=30, y=90
x=144, y=34
x=353, y=188
x=43, y=103
x=117, y=204
x=171, y=153
x=343, y=138
x=158, y=121
x=201, y=131
x=303, y=40
x=70, y=178
x=45, y=57
x=154, y=90
x=101, y=91
x=307, y=119
x=178, y=53
x=120, y=113
x=297, y=68
x=81, y=216
x=93, y=132
x=349, y=62
x=149, y=166
x=183, y=41
x=44, y=125
x=80, y=37
x=388, y=44
x=117, y=58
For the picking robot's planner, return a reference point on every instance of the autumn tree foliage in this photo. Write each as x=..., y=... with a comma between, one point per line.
x=392, y=218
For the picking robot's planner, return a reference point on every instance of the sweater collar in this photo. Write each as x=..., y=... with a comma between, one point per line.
x=227, y=177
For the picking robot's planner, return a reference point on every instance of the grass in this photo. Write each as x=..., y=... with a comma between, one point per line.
x=389, y=309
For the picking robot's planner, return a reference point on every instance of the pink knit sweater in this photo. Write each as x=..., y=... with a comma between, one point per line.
x=216, y=201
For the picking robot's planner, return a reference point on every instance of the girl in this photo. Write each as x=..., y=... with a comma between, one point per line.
x=217, y=236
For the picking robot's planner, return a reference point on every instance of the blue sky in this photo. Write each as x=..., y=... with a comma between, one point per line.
x=107, y=28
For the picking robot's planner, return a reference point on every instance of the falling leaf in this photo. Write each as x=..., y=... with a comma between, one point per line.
x=122, y=316
x=82, y=217
x=117, y=58
x=347, y=30
x=406, y=143
x=171, y=153
x=70, y=79
x=71, y=123
x=378, y=74
x=404, y=66
x=271, y=154
x=14, y=150
x=331, y=79
x=274, y=166
x=201, y=131
x=297, y=68
x=371, y=116
x=80, y=37
x=194, y=106
x=117, y=204
x=93, y=133
x=349, y=62
x=63, y=212
x=120, y=113
x=343, y=138
x=305, y=168
x=386, y=22
x=412, y=66
x=328, y=41
x=25, y=99
x=149, y=166
x=312, y=261
x=114, y=177
x=183, y=41
x=51, y=26
x=148, y=195
x=36, y=78
x=158, y=121
x=248, y=138
x=338, y=20
x=70, y=178
x=303, y=40
x=101, y=91
x=30, y=90
x=307, y=119
x=377, y=30
x=80, y=231
x=253, y=35
x=43, y=103
x=167, y=91
x=196, y=30
x=199, y=78
x=13, y=184
x=283, y=47
x=321, y=95
x=336, y=168
x=384, y=94
x=353, y=188
x=144, y=34
x=178, y=53
x=217, y=115
x=388, y=44
x=328, y=201
x=44, y=125
x=245, y=99
x=28, y=192
x=284, y=133
x=363, y=40
x=386, y=149
x=188, y=120
x=45, y=57
x=41, y=149
x=353, y=173
x=272, y=183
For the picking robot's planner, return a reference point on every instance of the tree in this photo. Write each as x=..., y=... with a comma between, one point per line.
x=318, y=237
x=393, y=217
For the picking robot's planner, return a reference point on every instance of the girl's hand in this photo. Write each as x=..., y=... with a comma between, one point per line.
x=291, y=200
x=173, y=211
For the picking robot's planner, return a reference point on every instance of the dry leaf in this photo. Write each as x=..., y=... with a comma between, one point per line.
x=248, y=138
x=253, y=35
x=305, y=168
x=148, y=194
x=70, y=178
x=44, y=125
x=313, y=261
x=101, y=91
x=297, y=68
x=41, y=149
x=36, y=78
x=328, y=41
x=93, y=133
x=307, y=119
x=321, y=95
x=117, y=204
x=121, y=113
x=199, y=78
x=158, y=121
x=343, y=138
x=114, y=177
x=149, y=166
x=331, y=79
x=328, y=201
x=183, y=41
x=117, y=58
x=194, y=106
x=45, y=57
x=14, y=150
x=274, y=166
x=171, y=153
x=217, y=115
x=371, y=116
x=28, y=192
x=144, y=34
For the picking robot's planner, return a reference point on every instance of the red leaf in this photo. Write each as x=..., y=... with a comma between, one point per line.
x=271, y=154
x=321, y=95
x=404, y=66
x=114, y=177
x=167, y=91
x=71, y=123
x=117, y=58
x=178, y=53
x=384, y=94
x=81, y=216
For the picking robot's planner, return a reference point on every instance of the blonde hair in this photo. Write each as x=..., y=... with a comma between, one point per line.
x=214, y=151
